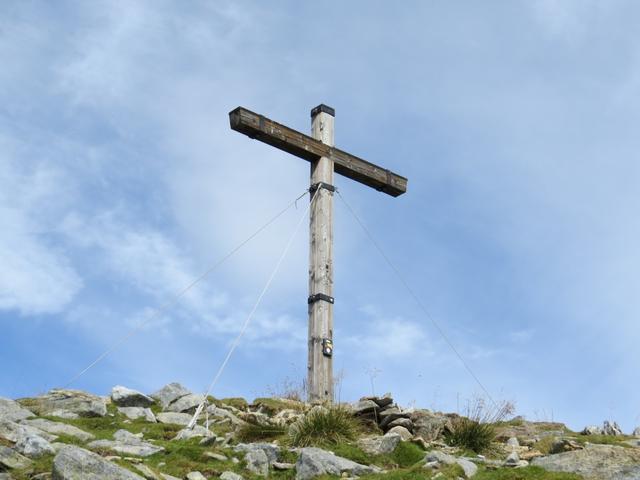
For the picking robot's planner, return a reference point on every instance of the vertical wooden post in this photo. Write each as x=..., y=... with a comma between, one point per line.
x=320, y=365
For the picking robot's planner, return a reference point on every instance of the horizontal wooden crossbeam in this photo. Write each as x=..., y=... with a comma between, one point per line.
x=303, y=146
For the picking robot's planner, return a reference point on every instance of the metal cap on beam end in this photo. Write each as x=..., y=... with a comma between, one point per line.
x=323, y=108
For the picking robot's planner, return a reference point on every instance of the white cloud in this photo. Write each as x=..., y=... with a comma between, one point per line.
x=36, y=275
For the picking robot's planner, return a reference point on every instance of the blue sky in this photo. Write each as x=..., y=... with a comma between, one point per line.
x=515, y=122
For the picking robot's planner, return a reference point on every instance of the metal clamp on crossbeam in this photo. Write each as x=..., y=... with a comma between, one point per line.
x=317, y=186
x=320, y=296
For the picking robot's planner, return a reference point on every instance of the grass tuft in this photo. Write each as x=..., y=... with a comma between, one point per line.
x=477, y=430
x=324, y=426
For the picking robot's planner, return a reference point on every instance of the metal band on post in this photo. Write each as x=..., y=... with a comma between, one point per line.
x=320, y=296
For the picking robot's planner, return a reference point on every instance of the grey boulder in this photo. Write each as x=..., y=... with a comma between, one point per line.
x=314, y=462
x=12, y=411
x=69, y=404
x=381, y=444
x=257, y=462
x=133, y=413
x=169, y=393
x=611, y=428
x=58, y=428
x=73, y=463
x=602, y=462
x=10, y=459
x=186, y=404
x=13, y=432
x=34, y=446
x=128, y=444
x=271, y=451
x=174, y=418
x=125, y=397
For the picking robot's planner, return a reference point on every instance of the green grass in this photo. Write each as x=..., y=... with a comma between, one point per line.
x=526, y=473
x=324, y=426
x=252, y=432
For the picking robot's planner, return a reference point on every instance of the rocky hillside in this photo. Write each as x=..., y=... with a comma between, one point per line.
x=72, y=435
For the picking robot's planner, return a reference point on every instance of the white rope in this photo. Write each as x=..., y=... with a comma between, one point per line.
x=166, y=306
x=418, y=301
x=235, y=343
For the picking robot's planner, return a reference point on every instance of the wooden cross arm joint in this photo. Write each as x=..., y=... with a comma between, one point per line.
x=291, y=141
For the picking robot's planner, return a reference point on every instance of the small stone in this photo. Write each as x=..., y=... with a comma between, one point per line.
x=216, y=456
x=195, y=476
x=283, y=466
x=230, y=476
x=469, y=468
x=512, y=460
x=146, y=472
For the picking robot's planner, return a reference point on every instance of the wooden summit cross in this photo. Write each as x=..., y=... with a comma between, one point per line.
x=325, y=159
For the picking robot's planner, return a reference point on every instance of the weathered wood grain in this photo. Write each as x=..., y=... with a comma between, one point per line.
x=303, y=146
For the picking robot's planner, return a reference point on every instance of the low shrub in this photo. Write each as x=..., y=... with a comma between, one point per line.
x=323, y=426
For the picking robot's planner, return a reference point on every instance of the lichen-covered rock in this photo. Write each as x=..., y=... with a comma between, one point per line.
x=185, y=404
x=257, y=462
x=59, y=402
x=11, y=411
x=405, y=435
x=169, y=393
x=134, y=413
x=73, y=463
x=58, y=428
x=601, y=462
x=380, y=445
x=272, y=451
x=174, y=418
x=428, y=425
x=230, y=476
x=128, y=444
x=33, y=446
x=13, y=432
x=195, y=476
x=314, y=462
x=10, y=459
